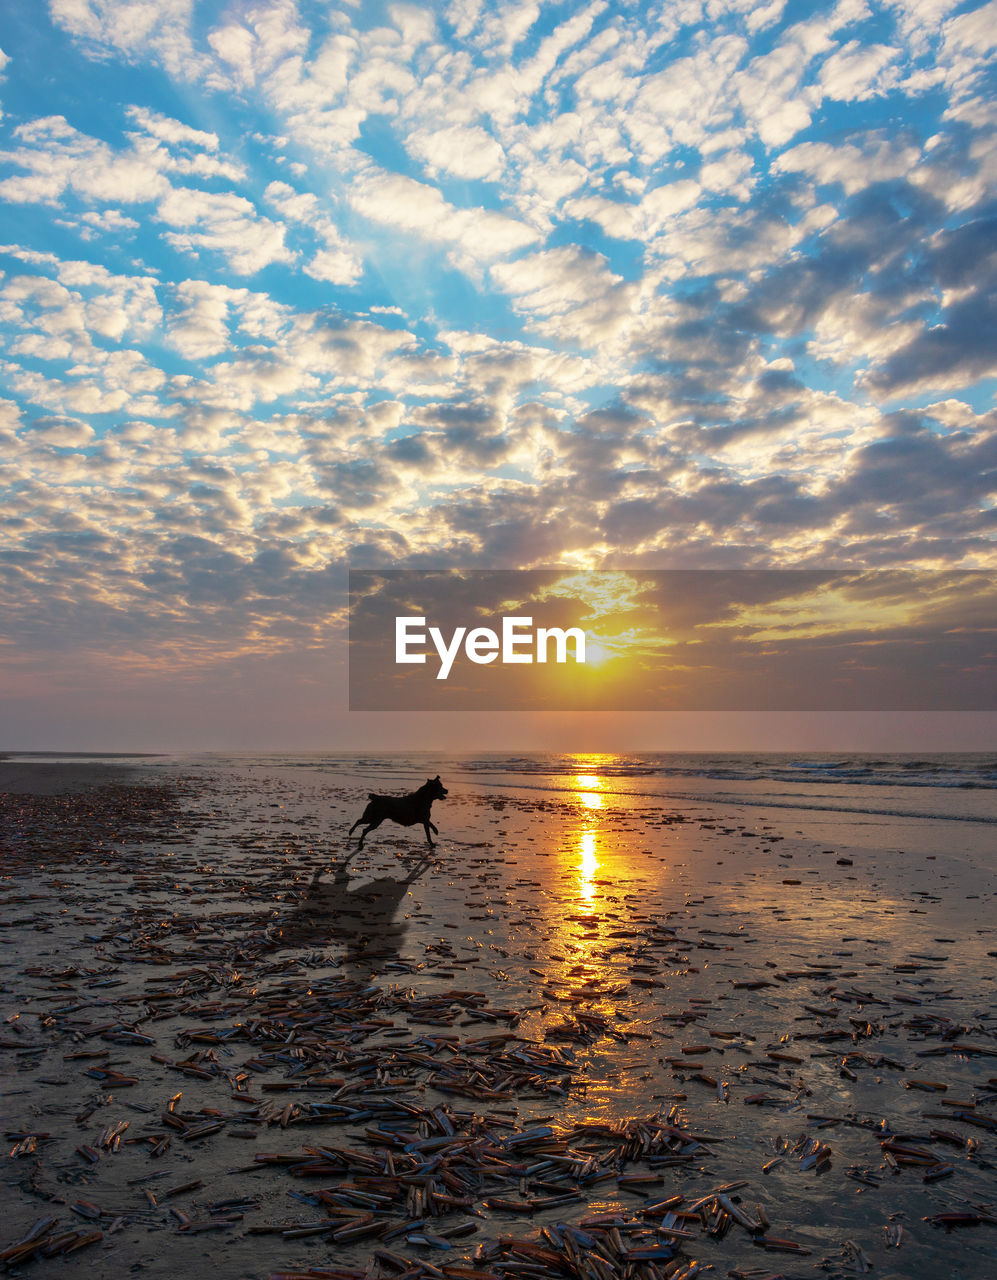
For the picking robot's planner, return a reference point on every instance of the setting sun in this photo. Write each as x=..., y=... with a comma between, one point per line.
x=596, y=652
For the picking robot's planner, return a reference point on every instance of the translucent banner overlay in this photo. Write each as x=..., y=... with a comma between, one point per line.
x=672, y=639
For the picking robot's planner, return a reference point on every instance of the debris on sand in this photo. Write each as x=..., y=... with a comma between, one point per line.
x=207, y=1043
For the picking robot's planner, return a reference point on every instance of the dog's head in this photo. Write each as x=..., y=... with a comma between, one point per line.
x=435, y=789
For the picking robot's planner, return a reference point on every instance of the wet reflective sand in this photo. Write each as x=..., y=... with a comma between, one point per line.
x=810, y=1014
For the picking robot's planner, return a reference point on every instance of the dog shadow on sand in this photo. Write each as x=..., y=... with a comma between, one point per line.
x=343, y=908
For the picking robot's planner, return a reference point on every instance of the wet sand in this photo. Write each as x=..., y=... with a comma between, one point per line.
x=587, y=1038
x=49, y=778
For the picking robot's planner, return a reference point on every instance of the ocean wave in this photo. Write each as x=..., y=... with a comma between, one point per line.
x=976, y=771
x=769, y=800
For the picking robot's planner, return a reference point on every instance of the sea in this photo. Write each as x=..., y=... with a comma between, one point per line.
x=958, y=787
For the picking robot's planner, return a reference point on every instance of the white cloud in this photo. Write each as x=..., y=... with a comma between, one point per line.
x=919, y=20
x=349, y=349
x=303, y=355
x=549, y=62
x=773, y=99
x=209, y=317
x=88, y=226
x=119, y=304
x=551, y=182
x=972, y=34
x=416, y=24
x=855, y=71
x=57, y=161
x=87, y=300
x=57, y=158
x=109, y=220
x=505, y=28
x=466, y=151
x=731, y=241
x=223, y=223
x=759, y=17
x=62, y=434
x=862, y=327
x=90, y=389
x=687, y=100
x=263, y=36
x=569, y=293
x=338, y=262
x=140, y=29
x=464, y=14
x=173, y=131
x=642, y=221
x=201, y=327
x=335, y=264
x=397, y=201
x=855, y=165
x=253, y=378
x=297, y=206
x=729, y=174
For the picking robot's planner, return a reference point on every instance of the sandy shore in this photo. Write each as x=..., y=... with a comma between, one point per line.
x=584, y=1039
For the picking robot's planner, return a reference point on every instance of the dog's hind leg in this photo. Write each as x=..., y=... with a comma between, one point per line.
x=366, y=816
x=366, y=832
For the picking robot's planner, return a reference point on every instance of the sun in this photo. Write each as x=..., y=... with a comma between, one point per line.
x=596, y=652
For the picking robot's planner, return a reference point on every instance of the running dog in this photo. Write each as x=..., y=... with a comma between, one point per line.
x=405, y=810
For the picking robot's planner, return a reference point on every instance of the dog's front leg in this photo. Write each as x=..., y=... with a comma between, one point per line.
x=429, y=838
x=434, y=828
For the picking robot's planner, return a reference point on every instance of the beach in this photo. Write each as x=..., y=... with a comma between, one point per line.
x=608, y=1027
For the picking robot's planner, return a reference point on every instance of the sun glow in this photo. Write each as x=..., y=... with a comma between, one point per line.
x=588, y=791
x=589, y=786
x=596, y=652
x=588, y=864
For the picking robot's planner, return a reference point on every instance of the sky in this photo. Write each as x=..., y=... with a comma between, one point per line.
x=673, y=639
x=289, y=288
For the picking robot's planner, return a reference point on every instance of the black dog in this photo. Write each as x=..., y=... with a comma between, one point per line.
x=406, y=810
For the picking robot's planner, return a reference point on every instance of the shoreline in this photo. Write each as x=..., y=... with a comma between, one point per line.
x=710, y=977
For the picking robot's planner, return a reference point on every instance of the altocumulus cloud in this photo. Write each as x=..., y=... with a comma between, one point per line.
x=481, y=285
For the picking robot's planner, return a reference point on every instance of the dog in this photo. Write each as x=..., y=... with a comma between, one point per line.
x=405, y=810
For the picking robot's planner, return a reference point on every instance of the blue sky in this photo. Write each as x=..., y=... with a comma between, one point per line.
x=288, y=287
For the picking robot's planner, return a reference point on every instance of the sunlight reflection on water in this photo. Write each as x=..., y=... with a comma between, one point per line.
x=588, y=862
